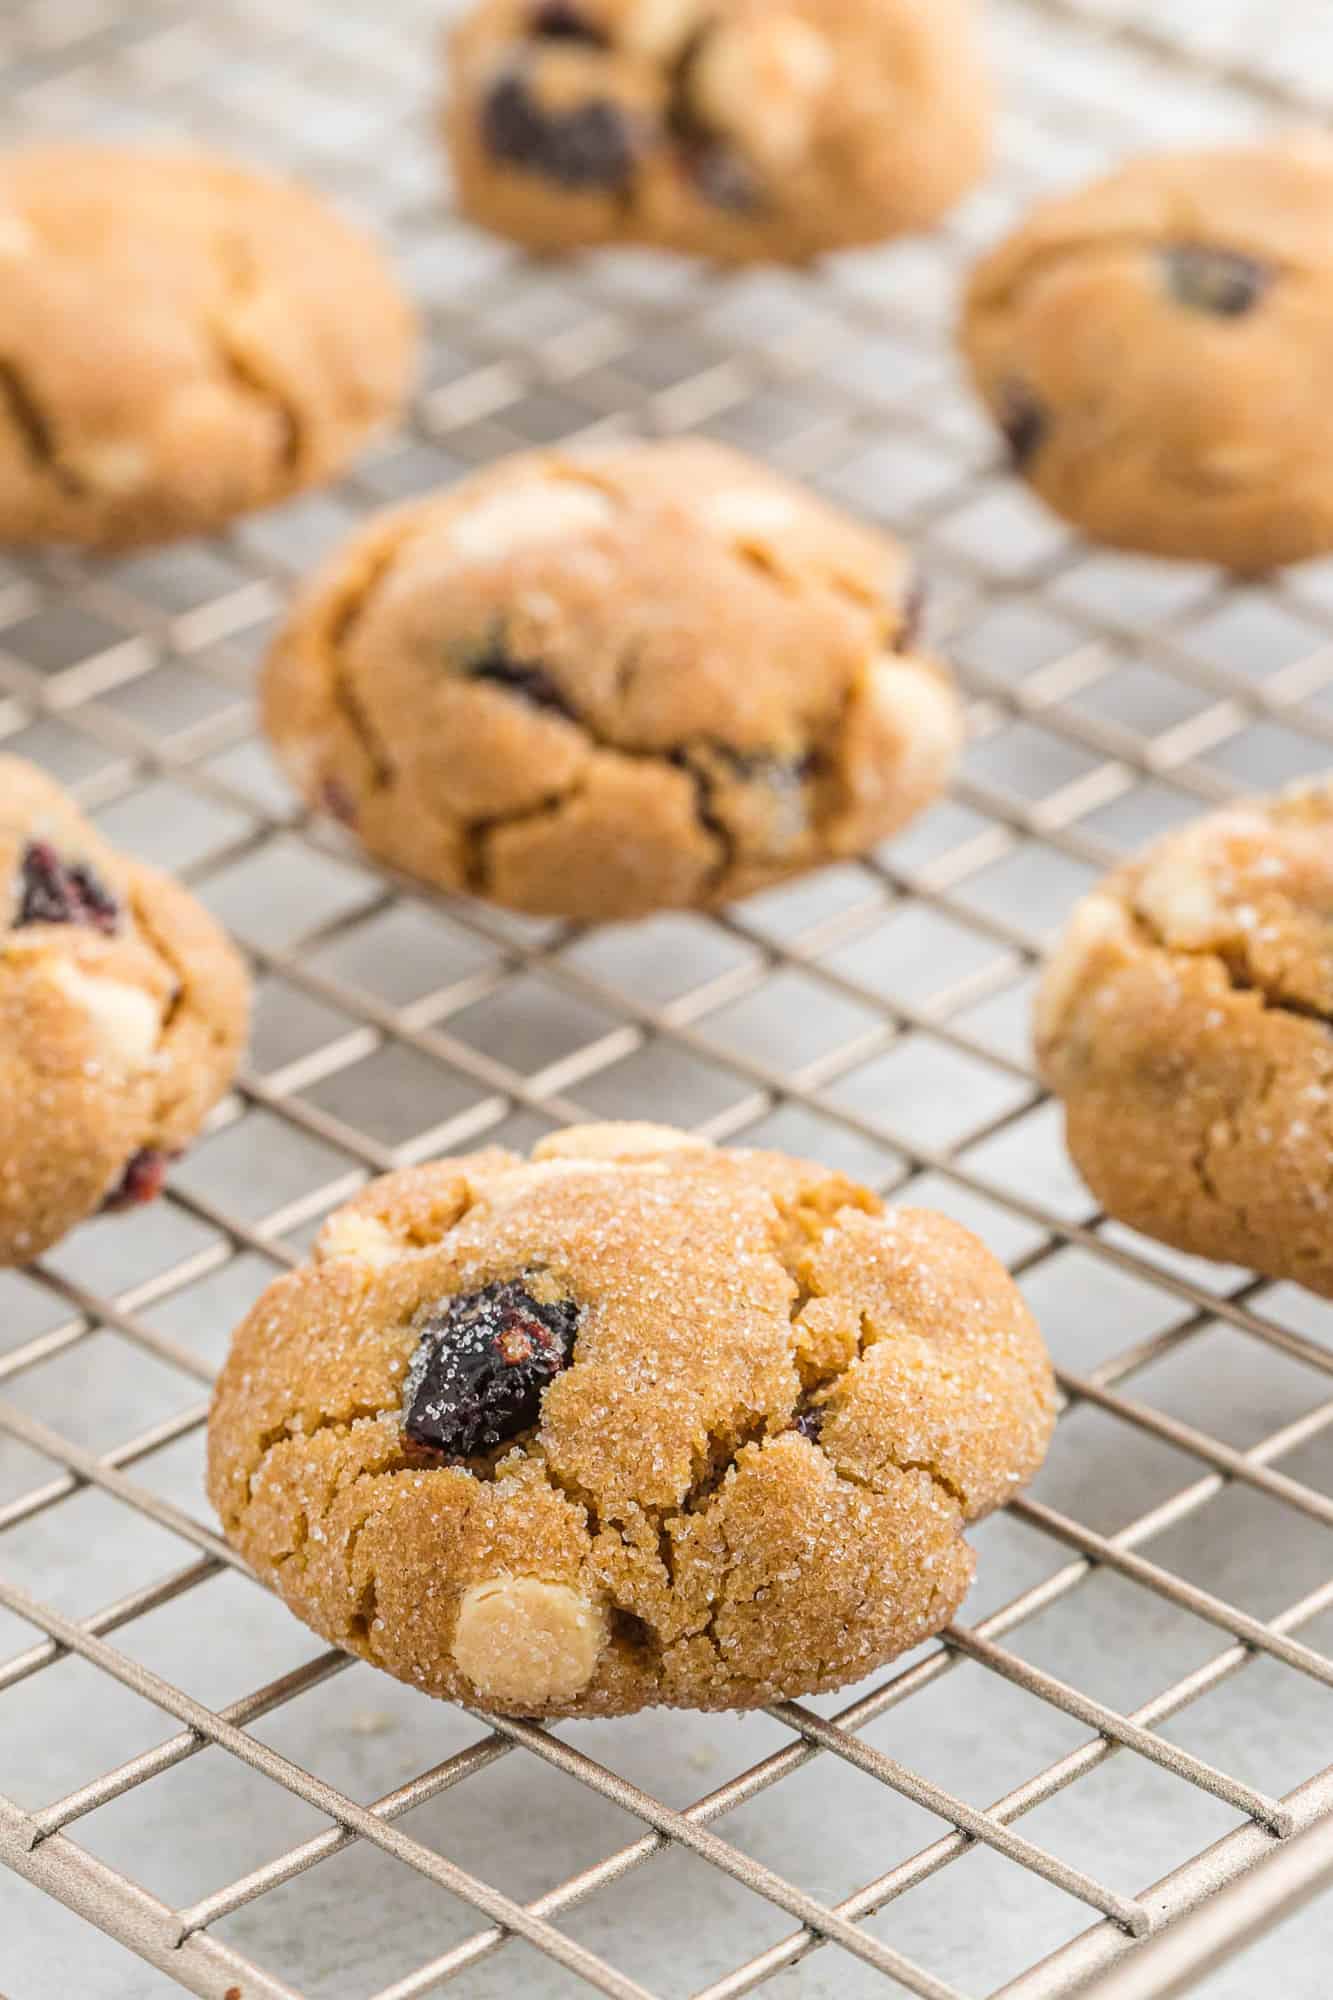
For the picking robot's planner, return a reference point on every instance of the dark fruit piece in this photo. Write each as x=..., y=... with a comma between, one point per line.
x=588, y=147
x=338, y=801
x=1225, y=283
x=718, y=172
x=526, y=678
x=142, y=1181
x=722, y=177
x=913, y=613
x=1023, y=421
x=55, y=891
x=810, y=1423
x=482, y=1362
x=557, y=21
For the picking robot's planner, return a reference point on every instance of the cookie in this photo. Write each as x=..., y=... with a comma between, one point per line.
x=1155, y=347
x=123, y=1012
x=1186, y=1019
x=755, y=129
x=637, y=1421
x=597, y=688
x=181, y=339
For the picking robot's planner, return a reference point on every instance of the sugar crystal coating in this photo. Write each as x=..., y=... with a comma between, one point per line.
x=1153, y=348
x=663, y=677
x=122, y=1014
x=683, y=1425
x=1186, y=1021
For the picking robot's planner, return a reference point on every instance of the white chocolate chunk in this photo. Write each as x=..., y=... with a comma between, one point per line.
x=1180, y=899
x=359, y=1236
x=114, y=467
x=540, y=512
x=125, y=1021
x=761, y=81
x=659, y=29
x=747, y=510
x=16, y=237
x=520, y=1640
x=1098, y=921
x=923, y=713
x=631, y=1140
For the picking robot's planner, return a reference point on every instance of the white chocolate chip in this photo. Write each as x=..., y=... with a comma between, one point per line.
x=518, y=516
x=659, y=29
x=761, y=81
x=1180, y=899
x=633, y=1139
x=922, y=711
x=747, y=510
x=359, y=1236
x=125, y=1021
x=1098, y=921
x=115, y=467
x=524, y=1642
x=16, y=237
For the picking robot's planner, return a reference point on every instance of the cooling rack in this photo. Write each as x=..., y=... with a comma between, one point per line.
x=1113, y=1773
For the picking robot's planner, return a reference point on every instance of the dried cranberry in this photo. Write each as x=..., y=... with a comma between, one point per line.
x=913, y=614
x=590, y=146
x=482, y=1362
x=55, y=891
x=338, y=800
x=142, y=1181
x=1225, y=283
x=557, y=21
x=1024, y=422
x=528, y=679
x=721, y=176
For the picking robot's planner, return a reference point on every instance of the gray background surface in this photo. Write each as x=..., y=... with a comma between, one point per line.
x=1110, y=698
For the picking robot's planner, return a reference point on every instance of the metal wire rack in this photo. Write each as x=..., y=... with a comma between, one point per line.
x=1144, y=1680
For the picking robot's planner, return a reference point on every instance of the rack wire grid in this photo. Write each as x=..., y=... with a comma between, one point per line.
x=1112, y=1772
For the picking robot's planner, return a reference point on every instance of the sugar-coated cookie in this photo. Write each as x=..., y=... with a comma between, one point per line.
x=738, y=129
x=636, y=1421
x=123, y=1010
x=181, y=339
x=1156, y=349
x=598, y=688
x=1186, y=1019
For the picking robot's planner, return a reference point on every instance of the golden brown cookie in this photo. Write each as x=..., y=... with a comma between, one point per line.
x=598, y=688
x=637, y=1421
x=1186, y=1019
x=180, y=339
x=1156, y=350
x=737, y=129
x=123, y=1011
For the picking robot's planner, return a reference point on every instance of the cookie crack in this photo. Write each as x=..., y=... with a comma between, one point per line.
x=33, y=427
x=708, y=816
x=346, y=698
x=238, y=359
x=477, y=833
x=1238, y=975
x=273, y=1435
x=361, y=1622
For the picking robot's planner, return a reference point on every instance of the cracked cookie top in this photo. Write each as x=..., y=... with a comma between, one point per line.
x=1186, y=1019
x=634, y=1421
x=246, y=340
x=754, y=129
x=122, y=1014
x=595, y=688
x=1152, y=347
